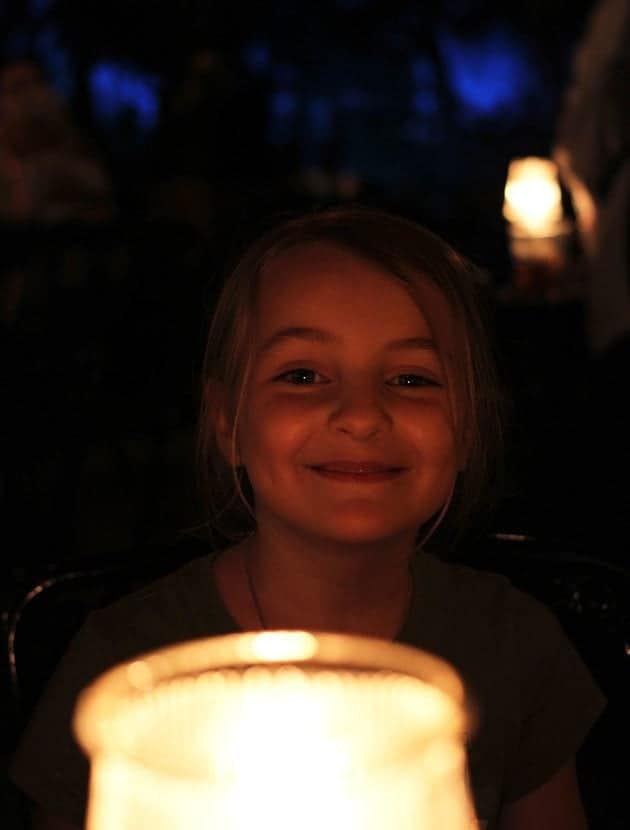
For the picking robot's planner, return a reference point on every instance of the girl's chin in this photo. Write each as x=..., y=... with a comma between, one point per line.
x=363, y=534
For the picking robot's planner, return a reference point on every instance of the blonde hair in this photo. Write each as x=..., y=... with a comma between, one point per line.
x=414, y=257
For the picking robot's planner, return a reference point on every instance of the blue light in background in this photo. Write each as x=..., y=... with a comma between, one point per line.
x=320, y=118
x=283, y=103
x=423, y=70
x=490, y=75
x=424, y=125
x=283, y=109
x=56, y=60
x=425, y=102
x=257, y=56
x=118, y=88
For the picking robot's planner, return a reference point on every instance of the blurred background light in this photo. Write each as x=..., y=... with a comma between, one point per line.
x=118, y=89
x=491, y=73
x=257, y=56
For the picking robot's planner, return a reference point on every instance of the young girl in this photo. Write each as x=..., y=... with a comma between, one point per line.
x=350, y=408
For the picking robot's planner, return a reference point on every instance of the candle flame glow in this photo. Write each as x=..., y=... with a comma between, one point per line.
x=533, y=199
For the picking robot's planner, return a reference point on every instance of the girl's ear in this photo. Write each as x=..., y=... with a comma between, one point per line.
x=217, y=407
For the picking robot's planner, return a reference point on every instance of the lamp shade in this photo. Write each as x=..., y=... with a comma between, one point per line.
x=279, y=729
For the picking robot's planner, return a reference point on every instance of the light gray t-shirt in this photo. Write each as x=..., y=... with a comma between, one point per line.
x=534, y=697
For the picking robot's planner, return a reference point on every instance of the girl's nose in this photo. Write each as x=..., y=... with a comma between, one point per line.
x=360, y=410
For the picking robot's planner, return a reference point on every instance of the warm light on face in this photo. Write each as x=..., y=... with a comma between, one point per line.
x=533, y=201
x=343, y=732
x=376, y=388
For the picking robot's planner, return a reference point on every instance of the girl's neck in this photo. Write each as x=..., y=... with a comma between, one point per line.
x=345, y=588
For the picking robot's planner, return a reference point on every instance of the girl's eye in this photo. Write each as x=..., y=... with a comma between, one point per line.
x=299, y=377
x=306, y=377
x=412, y=381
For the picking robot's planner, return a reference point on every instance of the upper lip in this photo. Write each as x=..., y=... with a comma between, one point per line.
x=347, y=466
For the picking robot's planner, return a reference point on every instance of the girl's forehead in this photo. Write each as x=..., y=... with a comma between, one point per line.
x=321, y=276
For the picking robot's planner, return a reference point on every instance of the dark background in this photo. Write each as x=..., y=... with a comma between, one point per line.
x=166, y=134
x=207, y=119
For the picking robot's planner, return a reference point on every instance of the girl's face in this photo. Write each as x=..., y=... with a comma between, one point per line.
x=333, y=385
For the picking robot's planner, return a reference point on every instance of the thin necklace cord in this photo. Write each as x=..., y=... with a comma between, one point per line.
x=259, y=613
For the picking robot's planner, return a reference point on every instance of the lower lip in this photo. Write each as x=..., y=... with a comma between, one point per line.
x=358, y=478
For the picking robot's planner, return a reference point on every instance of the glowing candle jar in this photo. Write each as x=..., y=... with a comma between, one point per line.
x=533, y=200
x=277, y=730
x=538, y=231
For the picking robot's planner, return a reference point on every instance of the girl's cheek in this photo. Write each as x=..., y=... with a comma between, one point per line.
x=290, y=405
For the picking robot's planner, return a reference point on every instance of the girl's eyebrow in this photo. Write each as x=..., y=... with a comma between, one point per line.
x=320, y=336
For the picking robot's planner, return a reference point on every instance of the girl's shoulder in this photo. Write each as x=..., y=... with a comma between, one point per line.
x=462, y=584
x=180, y=604
x=471, y=608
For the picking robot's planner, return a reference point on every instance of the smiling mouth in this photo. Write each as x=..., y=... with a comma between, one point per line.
x=363, y=477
